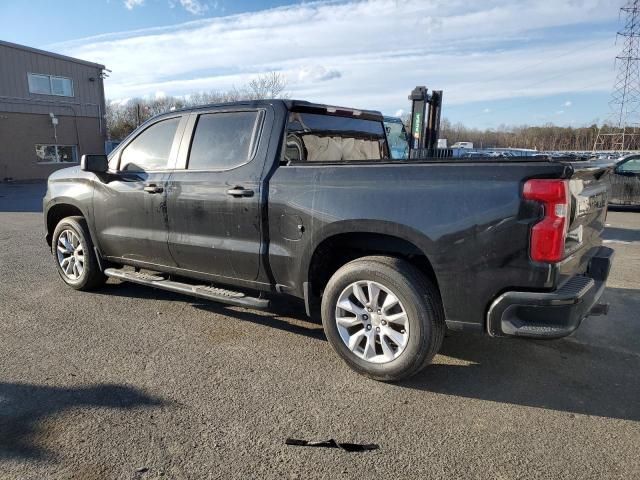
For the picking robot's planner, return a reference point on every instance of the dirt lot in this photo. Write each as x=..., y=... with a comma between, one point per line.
x=129, y=382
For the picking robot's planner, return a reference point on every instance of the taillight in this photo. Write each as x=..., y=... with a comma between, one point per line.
x=549, y=234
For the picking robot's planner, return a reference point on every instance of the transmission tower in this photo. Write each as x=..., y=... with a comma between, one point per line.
x=621, y=129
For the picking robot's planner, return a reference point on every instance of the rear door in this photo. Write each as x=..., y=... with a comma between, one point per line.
x=214, y=195
x=130, y=203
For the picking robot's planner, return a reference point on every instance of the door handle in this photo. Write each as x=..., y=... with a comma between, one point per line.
x=240, y=192
x=153, y=188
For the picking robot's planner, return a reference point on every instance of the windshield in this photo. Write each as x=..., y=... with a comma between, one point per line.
x=397, y=138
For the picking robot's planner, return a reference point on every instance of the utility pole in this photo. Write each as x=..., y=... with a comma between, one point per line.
x=621, y=129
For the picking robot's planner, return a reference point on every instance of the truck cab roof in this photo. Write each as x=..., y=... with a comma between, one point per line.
x=294, y=105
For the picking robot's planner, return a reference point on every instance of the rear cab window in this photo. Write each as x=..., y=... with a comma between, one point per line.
x=325, y=137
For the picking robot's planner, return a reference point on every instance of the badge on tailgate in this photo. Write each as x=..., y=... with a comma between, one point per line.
x=588, y=204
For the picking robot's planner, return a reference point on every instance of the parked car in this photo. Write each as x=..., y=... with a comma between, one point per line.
x=462, y=145
x=397, y=137
x=240, y=202
x=625, y=181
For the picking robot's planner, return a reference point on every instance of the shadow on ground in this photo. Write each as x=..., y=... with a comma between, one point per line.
x=285, y=314
x=22, y=197
x=623, y=208
x=558, y=375
x=25, y=407
x=594, y=372
x=621, y=234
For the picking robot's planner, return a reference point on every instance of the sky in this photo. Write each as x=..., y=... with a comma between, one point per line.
x=499, y=62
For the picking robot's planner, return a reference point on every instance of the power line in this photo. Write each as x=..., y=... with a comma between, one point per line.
x=621, y=130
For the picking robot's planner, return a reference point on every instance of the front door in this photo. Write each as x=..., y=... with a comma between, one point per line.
x=130, y=204
x=625, y=183
x=213, y=202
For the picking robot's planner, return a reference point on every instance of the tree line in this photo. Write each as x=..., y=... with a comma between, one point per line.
x=124, y=117
x=544, y=138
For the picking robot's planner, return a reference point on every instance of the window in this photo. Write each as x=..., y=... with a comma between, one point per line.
x=632, y=165
x=316, y=137
x=56, y=153
x=150, y=150
x=39, y=84
x=397, y=138
x=50, y=85
x=61, y=86
x=222, y=140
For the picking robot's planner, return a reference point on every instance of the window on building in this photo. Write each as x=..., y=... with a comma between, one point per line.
x=57, y=153
x=222, y=140
x=50, y=85
x=150, y=149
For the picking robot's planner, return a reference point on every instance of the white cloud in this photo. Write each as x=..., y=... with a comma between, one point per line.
x=333, y=52
x=131, y=4
x=120, y=101
x=399, y=113
x=159, y=95
x=486, y=110
x=567, y=104
x=195, y=7
x=316, y=73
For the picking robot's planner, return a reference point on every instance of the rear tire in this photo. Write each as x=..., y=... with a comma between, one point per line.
x=373, y=336
x=74, y=255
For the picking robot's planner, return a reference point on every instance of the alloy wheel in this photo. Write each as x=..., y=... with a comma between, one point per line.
x=70, y=254
x=372, y=321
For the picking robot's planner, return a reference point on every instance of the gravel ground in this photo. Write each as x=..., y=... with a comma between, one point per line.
x=133, y=383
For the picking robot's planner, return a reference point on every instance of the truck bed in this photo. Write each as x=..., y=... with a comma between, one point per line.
x=467, y=217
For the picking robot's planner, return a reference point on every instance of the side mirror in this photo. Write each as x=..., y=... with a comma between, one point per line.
x=94, y=163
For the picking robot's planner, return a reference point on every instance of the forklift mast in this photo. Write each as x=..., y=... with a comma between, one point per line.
x=425, y=121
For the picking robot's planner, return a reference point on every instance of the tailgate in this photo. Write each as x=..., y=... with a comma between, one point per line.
x=588, y=187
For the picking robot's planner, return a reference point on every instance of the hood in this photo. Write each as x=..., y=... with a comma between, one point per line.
x=67, y=173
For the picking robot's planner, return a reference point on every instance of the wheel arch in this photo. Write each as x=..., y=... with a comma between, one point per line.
x=61, y=209
x=348, y=240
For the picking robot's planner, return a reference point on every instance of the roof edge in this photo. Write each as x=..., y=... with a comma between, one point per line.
x=50, y=54
x=288, y=103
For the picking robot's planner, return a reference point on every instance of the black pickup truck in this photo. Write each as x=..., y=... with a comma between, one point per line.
x=239, y=202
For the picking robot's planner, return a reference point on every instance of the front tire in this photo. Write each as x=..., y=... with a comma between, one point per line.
x=73, y=253
x=383, y=317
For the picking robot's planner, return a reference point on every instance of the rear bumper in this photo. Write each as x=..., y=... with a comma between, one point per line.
x=552, y=314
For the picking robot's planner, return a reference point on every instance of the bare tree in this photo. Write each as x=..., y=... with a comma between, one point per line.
x=123, y=118
x=270, y=85
x=543, y=137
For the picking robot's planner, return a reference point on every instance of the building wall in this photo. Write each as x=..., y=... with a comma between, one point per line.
x=17, y=62
x=25, y=117
x=20, y=132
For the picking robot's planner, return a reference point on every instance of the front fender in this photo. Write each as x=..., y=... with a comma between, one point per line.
x=76, y=193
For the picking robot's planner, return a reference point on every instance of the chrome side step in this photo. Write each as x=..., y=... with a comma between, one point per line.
x=206, y=292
